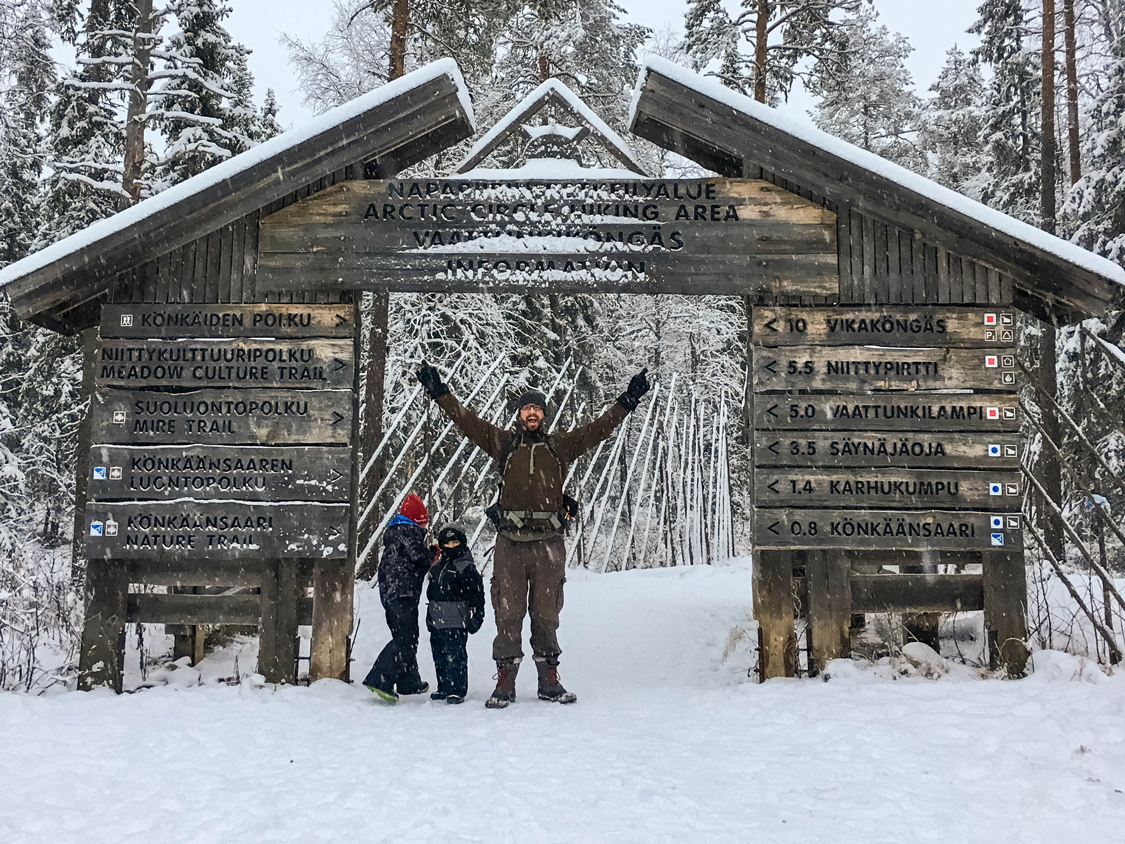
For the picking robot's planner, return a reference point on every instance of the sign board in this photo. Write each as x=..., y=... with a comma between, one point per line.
x=251, y=460
x=644, y=236
x=912, y=412
x=173, y=321
x=886, y=428
x=910, y=530
x=247, y=473
x=889, y=325
x=215, y=530
x=294, y=364
x=899, y=488
x=852, y=368
x=908, y=450
x=223, y=417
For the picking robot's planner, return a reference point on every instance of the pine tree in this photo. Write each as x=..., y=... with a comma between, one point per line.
x=866, y=96
x=204, y=92
x=953, y=122
x=87, y=124
x=760, y=49
x=1010, y=178
x=1094, y=213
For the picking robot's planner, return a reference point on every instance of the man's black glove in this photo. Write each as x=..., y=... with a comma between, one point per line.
x=638, y=386
x=430, y=379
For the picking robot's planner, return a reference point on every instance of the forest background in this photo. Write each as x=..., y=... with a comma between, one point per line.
x=104, y=103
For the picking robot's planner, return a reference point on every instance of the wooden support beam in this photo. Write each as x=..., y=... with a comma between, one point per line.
x=277, y=654
x=102, y=658
x=331, y=619
x=1005, y=611
x=830, y=605
x=879, y=593
x=773, y=610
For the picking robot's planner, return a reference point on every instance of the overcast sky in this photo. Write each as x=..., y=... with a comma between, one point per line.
x=931, y=27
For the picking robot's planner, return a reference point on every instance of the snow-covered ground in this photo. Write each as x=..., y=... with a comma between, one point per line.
x=667, y=743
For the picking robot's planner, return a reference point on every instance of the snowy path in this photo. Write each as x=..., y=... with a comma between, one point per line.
x=667, y=743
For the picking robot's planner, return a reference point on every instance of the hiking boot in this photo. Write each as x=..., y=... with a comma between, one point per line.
x=455, y=699
x=439, y=696
x=549, y=686
x=411, y=689
x=505, y=692
x=384, y=694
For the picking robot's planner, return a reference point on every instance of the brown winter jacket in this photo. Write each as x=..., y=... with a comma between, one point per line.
x=533, y=479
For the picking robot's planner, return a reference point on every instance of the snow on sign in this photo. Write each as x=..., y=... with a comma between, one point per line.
x=738, y=236
x=256, y=462
x=876, y=413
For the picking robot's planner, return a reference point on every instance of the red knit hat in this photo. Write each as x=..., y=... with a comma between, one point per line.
x=415, y=510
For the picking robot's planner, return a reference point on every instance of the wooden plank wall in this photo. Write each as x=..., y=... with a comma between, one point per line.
x=220, y=268
x=884, y=265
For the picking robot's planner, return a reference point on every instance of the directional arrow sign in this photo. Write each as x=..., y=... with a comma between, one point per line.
x=338, y=364
x=774, y=528
x=223, y=417
x=341, y=319
x=771, y=367
x=775, y=447
x=172, y=321
x=771, y=411
x=772, y=486
x=204, y=472
x=772, y=325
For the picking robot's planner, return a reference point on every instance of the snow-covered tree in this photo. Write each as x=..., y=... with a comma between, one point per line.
x=1010, y=178
x=1094, y=213
x=865, y=95
x=205, y=94
x=953, y=120
x=760, y=48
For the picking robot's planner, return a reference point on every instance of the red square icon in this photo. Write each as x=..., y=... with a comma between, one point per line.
x=990, y=319
x=993, y=413
x=991, y=361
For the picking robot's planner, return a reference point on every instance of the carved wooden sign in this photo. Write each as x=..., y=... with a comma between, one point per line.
x=946, y=530
x=885, y=428
x=253, y=462
x=646, y=236
x=247, y=473
x=191, y=529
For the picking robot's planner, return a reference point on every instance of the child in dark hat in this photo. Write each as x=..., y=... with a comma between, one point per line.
x=402, y=568
x=456, y=596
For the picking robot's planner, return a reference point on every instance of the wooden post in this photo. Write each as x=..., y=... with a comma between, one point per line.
x=332, y=619
x=1048, y=469
x=370, y=432
x=830, y=606
x=102, y=658
x=773, y=610
x=1005, y=611
x=277, y=654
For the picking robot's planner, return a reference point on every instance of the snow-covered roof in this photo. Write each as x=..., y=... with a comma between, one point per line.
x=998, y=228
x=278, y=161
x=556, y=91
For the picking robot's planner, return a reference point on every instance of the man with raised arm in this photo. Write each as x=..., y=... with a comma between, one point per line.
x=529, y=566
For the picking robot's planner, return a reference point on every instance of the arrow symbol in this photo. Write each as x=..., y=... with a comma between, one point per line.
x=775, y=448
x=772, y=324
x=334, y=476
x=338, y=364
x=341, y=320
x=771, y=367
x=337, y=417
x=333, y=532
x=772, y=486
x=773, y=529
x=772, y=411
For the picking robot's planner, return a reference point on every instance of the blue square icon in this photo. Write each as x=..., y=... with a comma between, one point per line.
x=99, y=473
x=994, y=450
x=997, y=539
x=995, y=489
x=95, y=528
x=997, y=522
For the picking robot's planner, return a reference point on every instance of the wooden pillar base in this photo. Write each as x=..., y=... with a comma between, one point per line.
x=332, y=620
x=1005, y=611
x=773, y=610
x=101, y=661
x=830, y=606
x=277, y=649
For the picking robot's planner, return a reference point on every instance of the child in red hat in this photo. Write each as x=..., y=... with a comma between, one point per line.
x=402, y=567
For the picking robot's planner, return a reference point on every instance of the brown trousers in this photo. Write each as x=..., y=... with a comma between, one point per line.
x=527, y=576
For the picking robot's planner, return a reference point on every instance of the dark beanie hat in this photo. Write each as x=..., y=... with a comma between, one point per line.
x=449, y=533
x=532, y=397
